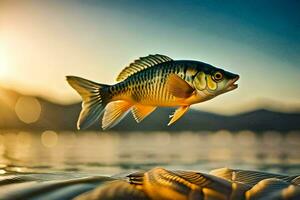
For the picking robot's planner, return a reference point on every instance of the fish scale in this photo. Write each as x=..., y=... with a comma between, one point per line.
x=155, y=91
x=153, y=80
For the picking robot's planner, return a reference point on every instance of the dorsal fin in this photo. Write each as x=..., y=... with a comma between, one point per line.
x=142, y=63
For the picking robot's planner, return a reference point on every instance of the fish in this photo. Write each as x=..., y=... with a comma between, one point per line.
x=147, y=83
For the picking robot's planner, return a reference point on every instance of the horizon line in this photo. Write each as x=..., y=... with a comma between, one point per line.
x=258, y=104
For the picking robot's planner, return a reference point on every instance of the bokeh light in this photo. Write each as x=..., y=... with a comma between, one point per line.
x=293, y=138
x=49, y=139
x=246, y=138
x=222, y=137
x=28, y=109
x=272, y=138
x=24, y=138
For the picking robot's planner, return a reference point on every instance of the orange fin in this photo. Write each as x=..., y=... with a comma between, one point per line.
x=139, y=112
x=114, y=113
x=178, y=113
x=179, y=87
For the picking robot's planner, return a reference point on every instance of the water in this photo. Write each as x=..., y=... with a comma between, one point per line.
x=113, y=153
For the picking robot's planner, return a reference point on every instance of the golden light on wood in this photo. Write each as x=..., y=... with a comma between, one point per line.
x=28, y=109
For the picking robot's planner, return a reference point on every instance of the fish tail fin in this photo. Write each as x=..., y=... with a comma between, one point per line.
x=94, y=96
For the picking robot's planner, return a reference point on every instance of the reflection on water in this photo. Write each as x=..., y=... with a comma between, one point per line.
x=111, y=153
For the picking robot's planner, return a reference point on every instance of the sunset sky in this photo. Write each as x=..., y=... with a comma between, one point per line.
x=43, y=41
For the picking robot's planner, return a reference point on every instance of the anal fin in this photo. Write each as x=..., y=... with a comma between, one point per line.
x=139, y=112
x=114, y=113
x=178, y=113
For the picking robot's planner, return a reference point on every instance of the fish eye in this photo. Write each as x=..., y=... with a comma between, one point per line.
x=218, y=76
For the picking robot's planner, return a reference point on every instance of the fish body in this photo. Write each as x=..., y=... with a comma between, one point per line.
x=150, y=82
x=148, y=87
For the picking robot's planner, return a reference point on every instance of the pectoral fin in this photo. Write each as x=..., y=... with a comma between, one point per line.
x=139, y=112
x=114, y=113
x=179, y=87
x=178, y=113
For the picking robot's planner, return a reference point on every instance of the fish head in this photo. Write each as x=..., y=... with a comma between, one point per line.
x=214, y=81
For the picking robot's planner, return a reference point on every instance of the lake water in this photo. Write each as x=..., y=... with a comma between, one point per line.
x=112, y=153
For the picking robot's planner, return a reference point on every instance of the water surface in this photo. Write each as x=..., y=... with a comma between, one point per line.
x=112, y=153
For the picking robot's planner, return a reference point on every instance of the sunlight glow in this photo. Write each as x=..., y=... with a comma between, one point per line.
x=3, y=64
x=7, y=98
x=3, y=59
x=1, y=69
x=37, y=49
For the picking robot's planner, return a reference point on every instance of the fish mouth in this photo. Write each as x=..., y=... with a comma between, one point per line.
x=232, y=83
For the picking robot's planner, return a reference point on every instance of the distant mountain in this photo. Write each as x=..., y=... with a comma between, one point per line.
x=63, y=117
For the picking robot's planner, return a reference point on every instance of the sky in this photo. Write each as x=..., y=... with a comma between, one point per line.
x=43, y=41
